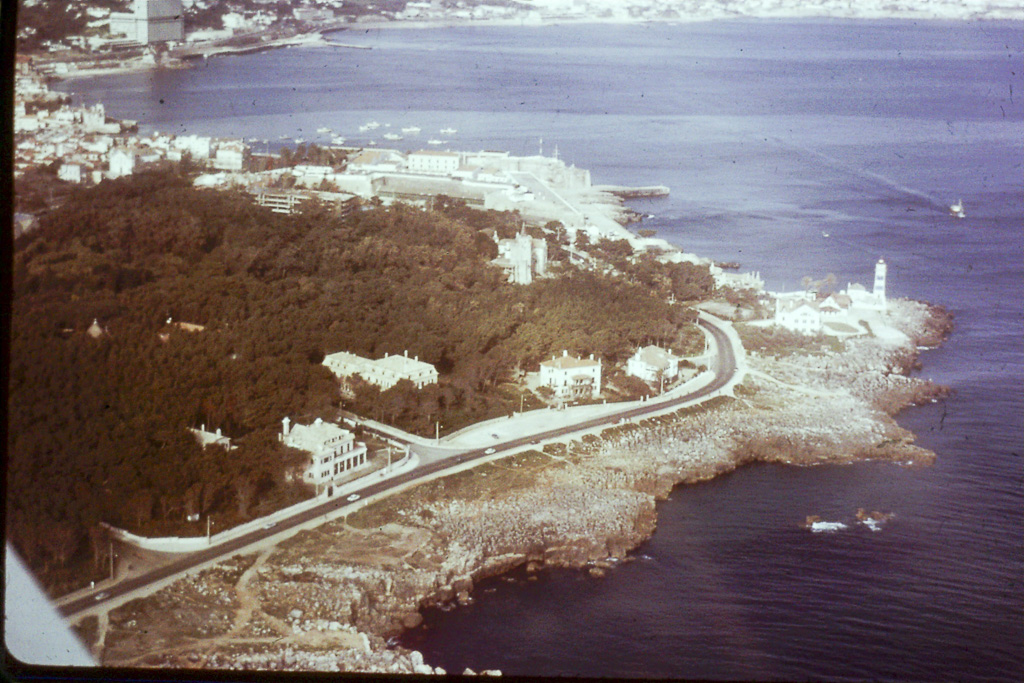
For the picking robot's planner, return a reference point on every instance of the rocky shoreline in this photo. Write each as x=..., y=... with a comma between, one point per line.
x=334, y=598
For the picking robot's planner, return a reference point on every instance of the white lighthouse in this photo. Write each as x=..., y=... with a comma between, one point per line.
x=879, y=290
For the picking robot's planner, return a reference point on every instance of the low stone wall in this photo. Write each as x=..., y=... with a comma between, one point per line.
x=178, y=544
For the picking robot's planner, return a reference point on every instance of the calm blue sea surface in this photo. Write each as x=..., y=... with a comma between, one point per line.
x=769, y=135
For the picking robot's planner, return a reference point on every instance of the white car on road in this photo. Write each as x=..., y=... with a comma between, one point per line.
x=354, y=497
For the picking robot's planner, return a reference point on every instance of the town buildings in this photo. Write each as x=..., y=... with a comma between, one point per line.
x=385, y=372
x=333, y=451
x=571, y=377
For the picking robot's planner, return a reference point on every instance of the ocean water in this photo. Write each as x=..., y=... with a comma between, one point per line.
x=770, y=134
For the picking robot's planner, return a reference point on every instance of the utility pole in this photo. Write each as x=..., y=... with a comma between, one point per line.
x=207, y=529
x=389, y=459
x=437, y=431
x=111, y=560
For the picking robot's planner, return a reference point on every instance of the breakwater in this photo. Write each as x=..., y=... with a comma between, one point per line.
x=623, y=192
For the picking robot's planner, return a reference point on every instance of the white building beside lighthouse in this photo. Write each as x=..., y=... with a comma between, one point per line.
x=810, y=313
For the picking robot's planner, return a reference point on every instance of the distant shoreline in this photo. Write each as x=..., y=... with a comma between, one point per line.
x=318, y=37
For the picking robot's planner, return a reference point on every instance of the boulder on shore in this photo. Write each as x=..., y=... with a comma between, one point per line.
x=412, y=620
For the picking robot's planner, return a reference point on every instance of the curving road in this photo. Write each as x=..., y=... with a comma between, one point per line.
x=434, y=460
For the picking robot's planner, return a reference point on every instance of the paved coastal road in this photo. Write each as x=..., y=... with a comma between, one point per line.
x=434, y=460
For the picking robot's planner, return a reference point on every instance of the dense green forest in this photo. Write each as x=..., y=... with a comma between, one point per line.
x=98, y=425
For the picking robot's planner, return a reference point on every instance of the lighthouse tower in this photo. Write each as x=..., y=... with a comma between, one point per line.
x=879, y=290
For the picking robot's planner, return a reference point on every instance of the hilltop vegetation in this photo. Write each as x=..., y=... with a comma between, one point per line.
x=98, y=426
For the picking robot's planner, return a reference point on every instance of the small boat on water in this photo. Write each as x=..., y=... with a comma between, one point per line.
x=337, y=140
x=435, y=141
x=824, y=234
x=392, y=136
x=411, y=130
x=957, y=210
x=448, y=131
x=323, y=129
x=371, y=125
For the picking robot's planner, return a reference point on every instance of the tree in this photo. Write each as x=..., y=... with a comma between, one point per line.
x=140, y=507
x=61, y=540
x=582, y=242
x=99, y=544
x=244, y=486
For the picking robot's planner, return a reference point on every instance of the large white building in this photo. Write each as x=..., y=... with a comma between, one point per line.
x=433, y=161
x=798, y=315
x=384, y=372
x=653, y=364
x=150, y=21
x=333, y=451
x=571, y=377
x=230, y=156
x=522, y=257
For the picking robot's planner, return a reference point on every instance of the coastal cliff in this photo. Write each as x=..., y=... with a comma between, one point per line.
x=331, y=598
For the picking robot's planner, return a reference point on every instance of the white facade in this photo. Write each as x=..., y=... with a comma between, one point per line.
x=798, y=315
x=198, y=147
x=230, y=156
x=572, y=377
x=71, y=173
x=122, y=162
x=311, y=176
x=333, y=451
x=433, y=161
x=384, y=372
x=653, y=364
x=522, y=257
